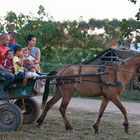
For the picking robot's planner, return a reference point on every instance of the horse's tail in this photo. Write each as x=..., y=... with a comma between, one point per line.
x=46, y=90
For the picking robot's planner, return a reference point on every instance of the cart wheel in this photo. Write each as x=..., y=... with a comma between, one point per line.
x=11, y=117
x=30, y=109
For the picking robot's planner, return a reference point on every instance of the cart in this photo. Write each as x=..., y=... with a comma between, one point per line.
x=18, y=107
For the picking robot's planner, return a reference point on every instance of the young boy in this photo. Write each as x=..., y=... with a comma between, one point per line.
x=8, y=62
x=18, y=64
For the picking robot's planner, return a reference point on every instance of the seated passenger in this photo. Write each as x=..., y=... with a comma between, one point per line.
x=18, y=64
x=8, y=62
x=31, y=46
x=5, y=75
x=30, y=64
x=12, y=42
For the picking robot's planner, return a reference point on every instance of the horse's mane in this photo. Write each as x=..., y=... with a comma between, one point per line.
x=126, y=60
x=105, y=65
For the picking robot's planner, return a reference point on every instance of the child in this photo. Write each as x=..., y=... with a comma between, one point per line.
x=18, y=64
x=8, y=62
x=30, y=64
x=33, y=70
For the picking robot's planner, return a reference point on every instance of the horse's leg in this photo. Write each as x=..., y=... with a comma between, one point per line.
x=100, y=113
x=116, y=100
x=63, y=107
x=48, y=105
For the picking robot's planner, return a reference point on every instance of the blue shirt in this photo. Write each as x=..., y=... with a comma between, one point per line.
x=11, y=46
x=35, y=51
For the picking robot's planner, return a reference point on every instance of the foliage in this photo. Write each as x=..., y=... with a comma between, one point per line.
x=55, y=59
x=134, y=1
x=68, y=41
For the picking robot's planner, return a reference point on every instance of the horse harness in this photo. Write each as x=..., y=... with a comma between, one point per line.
x=76, y=79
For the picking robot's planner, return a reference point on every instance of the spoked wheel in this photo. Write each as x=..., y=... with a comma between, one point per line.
x=30, y=109
x=11, y=117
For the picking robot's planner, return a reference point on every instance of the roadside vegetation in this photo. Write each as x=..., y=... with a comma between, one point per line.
x=133, y=96
x=129, y=95
x=69, y=42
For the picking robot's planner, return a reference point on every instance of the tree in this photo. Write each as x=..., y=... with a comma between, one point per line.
x=62, y=42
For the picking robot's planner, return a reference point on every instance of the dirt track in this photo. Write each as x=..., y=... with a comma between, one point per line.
x=93, y=105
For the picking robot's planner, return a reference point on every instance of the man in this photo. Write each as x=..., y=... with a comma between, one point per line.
x=6, y=76
x=12, y=42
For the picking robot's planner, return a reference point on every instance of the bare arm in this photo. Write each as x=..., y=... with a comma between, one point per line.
x=20, y=63
x=35, y=61
x=37, y=57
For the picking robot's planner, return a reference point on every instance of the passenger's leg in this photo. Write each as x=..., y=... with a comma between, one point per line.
x=25, y=80
x=7, y=78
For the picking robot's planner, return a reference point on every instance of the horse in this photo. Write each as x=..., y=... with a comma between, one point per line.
x=107, y=81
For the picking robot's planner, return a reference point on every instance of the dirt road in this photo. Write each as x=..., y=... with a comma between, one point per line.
x=93, y=105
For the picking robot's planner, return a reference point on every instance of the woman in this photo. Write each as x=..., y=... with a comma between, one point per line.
x=34, y=51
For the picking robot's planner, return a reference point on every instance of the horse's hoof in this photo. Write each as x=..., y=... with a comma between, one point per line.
x=96, y=129
x=96, y=132
x=70, y=131
x=69, y=128
x=39, y=122
x=126, y=128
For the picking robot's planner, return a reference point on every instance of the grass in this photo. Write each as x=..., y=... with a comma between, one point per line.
x=131, y=96
x=111, y=128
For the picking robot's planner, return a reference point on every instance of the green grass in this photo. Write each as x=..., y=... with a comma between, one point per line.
x=133, y=96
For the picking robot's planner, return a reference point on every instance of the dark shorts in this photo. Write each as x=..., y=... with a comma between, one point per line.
x=20, y=75
x=7, y=78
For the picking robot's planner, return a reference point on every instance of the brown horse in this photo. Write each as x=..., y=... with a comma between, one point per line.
x=89, y=80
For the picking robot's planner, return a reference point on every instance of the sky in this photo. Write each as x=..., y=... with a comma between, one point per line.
x=73, y=9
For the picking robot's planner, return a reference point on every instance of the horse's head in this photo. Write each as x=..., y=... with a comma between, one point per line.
x=138, y=62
